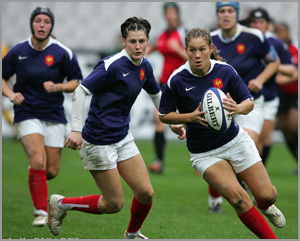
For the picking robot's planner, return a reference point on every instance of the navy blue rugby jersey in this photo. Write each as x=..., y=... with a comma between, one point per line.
x=184, y=91
x=245, y=52
x=115, y=84
x=270, y=89
x=55, y=62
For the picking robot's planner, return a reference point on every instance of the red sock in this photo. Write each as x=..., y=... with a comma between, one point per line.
x=212, y=192
x=257, y=224
x=38, y=188
x=87, y=204
x=139, y=213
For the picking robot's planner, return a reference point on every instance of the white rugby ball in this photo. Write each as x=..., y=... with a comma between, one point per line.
x=215, y=114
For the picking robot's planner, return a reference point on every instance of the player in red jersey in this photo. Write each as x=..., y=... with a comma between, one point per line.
x=288, y=94
x=170, y=43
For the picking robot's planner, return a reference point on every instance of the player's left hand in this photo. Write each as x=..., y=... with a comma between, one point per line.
x=179, y=130
x=230, y=105
x=50, y=86
x=255, y=85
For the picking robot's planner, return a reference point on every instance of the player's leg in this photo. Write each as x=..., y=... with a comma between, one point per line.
x=111, y=200
x=265, y=141
x=159, y=145
x=264, y=193
x=223, y=179
x=33, y=145
x=53, y=161
x=132, y=168
x=54, y=142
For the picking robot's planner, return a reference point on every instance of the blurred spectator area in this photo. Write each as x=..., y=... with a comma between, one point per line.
x=95, y=26
x=92, y=31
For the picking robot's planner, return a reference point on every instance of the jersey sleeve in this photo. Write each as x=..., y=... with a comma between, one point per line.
x=151, y=86
x=168, y=102
x=8, y=67
x=73, y=69
x=238, y=89
x=96, y=79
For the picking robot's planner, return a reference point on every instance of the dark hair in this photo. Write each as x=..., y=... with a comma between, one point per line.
x=172, y=5
x=135, y=24
x=202, y=33
x=42, y=10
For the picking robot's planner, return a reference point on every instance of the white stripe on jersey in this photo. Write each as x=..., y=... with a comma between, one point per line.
x=188, y=68
x=52, y=41
x=69, y=51
x=240, y=29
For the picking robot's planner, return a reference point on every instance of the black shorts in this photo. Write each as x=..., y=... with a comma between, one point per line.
x=287, y=101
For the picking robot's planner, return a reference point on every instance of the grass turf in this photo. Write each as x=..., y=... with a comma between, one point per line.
x=179, y=211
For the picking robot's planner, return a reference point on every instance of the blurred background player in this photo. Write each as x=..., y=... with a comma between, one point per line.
x=41, y=63
x=170, y=43
x=219, y=156
x=288, y=94
x=106, y=145
x=259, y=19
x=248, y=51
x=7, y=113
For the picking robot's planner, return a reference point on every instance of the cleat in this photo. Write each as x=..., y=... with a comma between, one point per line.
x=40, y=220
x=156, y=167
x=56, y=215
x=136, y=235
x=274, y=215
x=215, y=208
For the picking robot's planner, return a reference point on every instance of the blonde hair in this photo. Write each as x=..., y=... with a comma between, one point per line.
x=202, y=33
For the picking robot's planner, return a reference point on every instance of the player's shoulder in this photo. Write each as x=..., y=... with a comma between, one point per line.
x=178, y=73
x=252, y=33
x=61, y=46
x=222, y=66
x=215, y=32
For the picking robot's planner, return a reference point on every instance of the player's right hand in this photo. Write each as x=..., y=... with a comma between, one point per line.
x=74, y=141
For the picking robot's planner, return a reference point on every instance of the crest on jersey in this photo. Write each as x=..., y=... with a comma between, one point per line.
x=240, y=48
x=49, y=60
x=218, y=83
x=142, y=74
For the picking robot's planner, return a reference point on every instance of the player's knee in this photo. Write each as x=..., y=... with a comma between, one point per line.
x=115, y=206
x=268, y=197
x=146, y=196
x=50, y=174
x=38, y=163
x=239, y=200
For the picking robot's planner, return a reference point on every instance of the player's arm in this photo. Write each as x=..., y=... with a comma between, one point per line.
x=272, y=63
x=242, y=108
x=182, y=118
x=16, y=98
x=67, y=87
x=74, y=140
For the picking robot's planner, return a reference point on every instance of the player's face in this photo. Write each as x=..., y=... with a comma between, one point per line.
x=41, y=26
x=259, y=23
x=199, y=53
x=227, y=17
x=171, y=17
x=135, y=45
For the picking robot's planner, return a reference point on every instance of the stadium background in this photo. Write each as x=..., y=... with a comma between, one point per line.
x=92, y=30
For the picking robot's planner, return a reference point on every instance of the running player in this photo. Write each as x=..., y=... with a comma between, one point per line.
x=106, y=145
x=170, y=43
x=259, y=18
x=41, y=64
x=288, y=94
x=219, y=156
x=247, y=50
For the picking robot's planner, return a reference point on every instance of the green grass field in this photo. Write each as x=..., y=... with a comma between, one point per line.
x=179, y=211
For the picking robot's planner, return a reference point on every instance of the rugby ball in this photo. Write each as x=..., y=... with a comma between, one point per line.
x=215, y=114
